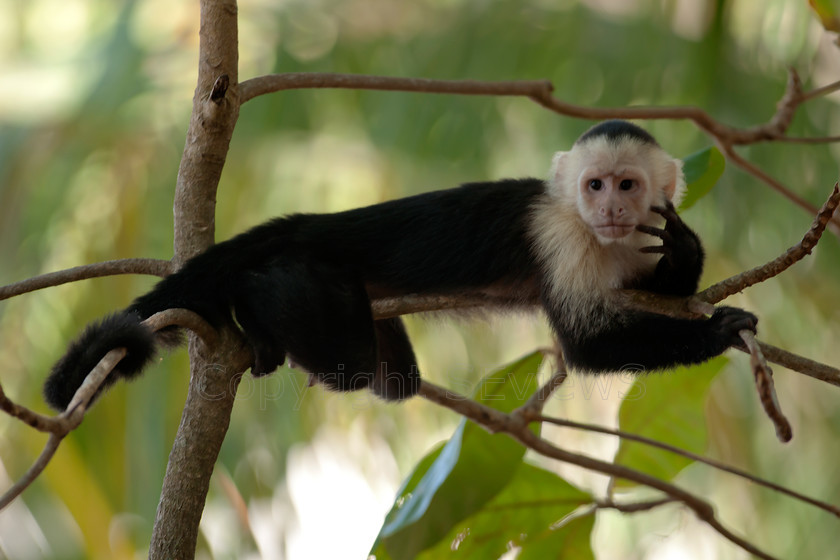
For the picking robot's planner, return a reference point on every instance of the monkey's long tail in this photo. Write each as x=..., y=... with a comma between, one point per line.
x=204, y=285
x=193, y=287
x=120, y=330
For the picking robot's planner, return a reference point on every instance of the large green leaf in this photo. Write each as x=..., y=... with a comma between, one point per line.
x=570, y=541
x=458, y=479
x=669, y=408
x=527, y=514
x=702, y=170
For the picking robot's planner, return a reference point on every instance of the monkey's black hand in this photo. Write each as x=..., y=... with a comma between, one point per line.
x=727, y=322
x=679, y=269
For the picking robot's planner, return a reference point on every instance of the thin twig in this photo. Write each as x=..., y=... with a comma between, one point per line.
x=313, y=80
x=821, y=91
x=801, y=364
x=535, y=404
x=735, y=284
x=385, y=308
x=154, y=267
x=807, y=140
x=766, y=388
x=701, y=508
x=497, y=421
x=33, y=472
x=834, y=510
x=61, y=425
x=65, y=422
x=635, y=507
x=767, y=179
x=540, y=91
x=33, y=419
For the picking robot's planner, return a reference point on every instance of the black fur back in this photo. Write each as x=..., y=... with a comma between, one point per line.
x=300, y=286
x=121, y=330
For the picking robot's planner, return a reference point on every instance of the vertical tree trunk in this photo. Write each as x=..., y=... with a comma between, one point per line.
x=214, y=371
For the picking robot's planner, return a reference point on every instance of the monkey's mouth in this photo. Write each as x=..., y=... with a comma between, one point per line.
x=615, y=231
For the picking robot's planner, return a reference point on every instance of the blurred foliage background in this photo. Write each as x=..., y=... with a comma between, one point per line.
x=94, y=102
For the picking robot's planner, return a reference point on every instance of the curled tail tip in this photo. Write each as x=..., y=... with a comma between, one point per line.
x=120, y=330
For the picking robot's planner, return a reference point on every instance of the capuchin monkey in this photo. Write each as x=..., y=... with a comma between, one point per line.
x=300, y=287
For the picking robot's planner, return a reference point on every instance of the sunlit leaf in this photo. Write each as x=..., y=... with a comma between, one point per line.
x=570, y=541
x=702, y=170
x=669, y=408
x=455, y=481
x=526, y=514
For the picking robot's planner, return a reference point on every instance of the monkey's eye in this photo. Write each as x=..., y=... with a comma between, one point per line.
x=595, y=184
x=625, y=185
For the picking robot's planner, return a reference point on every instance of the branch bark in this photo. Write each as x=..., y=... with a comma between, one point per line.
x=216, y=367
x=540, y=92
x=215, y=373
x=152, y=267
x=516, y=425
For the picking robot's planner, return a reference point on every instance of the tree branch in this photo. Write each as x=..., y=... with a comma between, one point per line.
x=215, y=372
x=540, y=91
x=61, y=425
x=515, y=426
x=153, y=267
x=834, y=510
x=766, y=388
x=735, y=284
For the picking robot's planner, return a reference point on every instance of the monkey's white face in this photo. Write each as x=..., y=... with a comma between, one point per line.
x=613, y=201
x=613, y=185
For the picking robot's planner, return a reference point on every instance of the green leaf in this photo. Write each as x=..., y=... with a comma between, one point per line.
x=458, y=479
x=527, y=514
x=702, y=170
x=570, y=541
x=669, y=408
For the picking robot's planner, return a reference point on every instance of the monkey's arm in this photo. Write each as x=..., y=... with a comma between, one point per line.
x=678, y=271
x=642, y=341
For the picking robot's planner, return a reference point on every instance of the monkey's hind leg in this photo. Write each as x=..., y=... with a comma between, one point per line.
x=316, y=314
x=396, y=376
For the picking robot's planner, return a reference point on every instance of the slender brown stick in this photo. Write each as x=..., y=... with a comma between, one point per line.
x=33, y=472
x=540, y=91
x=152, y=267
x=38, y=421
x=776, y=185
x=735, y=284
x=635, y=507
x=534, y=406
x=801, y=364
x=514, y=426
x=307, y=80
x=834, y=510
x=766, y=388
x=72, y=417
x=821, y=91
x=66, y=422
x=701, y=508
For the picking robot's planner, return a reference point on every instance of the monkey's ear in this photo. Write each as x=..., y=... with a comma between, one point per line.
x=557, y=174
x=675, y=181
x=557, y=166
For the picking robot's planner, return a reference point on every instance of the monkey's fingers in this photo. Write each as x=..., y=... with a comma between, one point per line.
x=667, y=205
x=734, y=319
x=668, y=212
x=655, y=231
